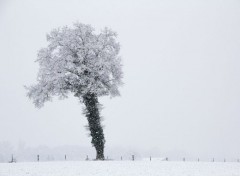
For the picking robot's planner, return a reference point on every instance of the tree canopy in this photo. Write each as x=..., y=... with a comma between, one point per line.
x=80, y=61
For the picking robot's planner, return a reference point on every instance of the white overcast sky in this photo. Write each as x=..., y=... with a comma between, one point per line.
x=181, y=73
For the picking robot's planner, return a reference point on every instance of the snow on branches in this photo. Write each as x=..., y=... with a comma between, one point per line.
x=80, y=61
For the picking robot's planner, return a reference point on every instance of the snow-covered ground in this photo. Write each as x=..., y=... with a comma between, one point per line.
x=120, y=168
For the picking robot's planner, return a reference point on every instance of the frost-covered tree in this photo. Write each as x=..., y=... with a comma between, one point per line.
x=80, y=61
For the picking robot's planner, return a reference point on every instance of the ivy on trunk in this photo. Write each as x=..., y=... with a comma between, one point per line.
x=94, y=123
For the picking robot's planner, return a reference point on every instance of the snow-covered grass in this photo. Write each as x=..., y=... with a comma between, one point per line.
x=120, y=168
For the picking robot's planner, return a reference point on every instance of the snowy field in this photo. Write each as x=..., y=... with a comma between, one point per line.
x=120, y=168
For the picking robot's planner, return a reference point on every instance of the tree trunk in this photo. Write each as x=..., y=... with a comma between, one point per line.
x=94, y=123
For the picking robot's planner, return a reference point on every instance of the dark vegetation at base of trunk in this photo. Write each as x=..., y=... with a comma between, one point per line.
x=94, y=123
